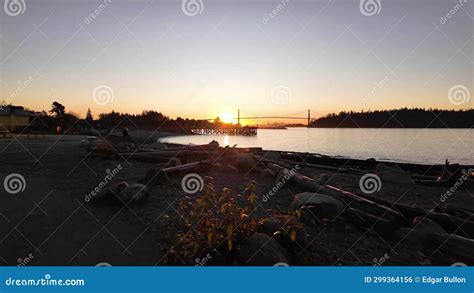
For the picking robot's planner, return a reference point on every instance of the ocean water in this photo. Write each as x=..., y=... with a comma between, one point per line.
x=424, y=146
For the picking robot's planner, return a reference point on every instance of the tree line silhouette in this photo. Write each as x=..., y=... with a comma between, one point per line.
x=398, y=118
x=58, y=120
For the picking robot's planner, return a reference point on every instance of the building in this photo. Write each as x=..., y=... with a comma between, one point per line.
x=13, y=118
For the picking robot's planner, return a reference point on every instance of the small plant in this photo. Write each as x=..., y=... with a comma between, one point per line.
x=215, y=222
x=212, y=222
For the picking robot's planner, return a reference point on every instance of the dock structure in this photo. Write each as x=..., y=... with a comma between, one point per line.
x=245, y=131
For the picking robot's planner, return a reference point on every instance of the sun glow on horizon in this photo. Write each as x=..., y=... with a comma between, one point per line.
x=227, y=117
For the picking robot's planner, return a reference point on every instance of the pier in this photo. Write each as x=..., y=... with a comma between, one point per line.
x=246, y=131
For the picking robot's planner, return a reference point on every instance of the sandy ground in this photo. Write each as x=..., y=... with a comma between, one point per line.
x=49, y=224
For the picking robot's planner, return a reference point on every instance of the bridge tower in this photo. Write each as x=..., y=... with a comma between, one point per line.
x=309, y=117
x=238, y=117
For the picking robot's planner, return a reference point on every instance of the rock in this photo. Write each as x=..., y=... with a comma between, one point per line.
x=245, y=162
x=155, y=177
x=109, y=192
x=268, y=173
x=382, y=226
x=214, y=144
x=321, y=205
x=262, y=250
x=393, y=174
x=134, y=192
x=124, y=146
x=274, y=156
x=270, y=225
x=174, y=162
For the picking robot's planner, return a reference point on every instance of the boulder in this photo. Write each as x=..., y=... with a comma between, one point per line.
x=245, y=162
x=393, y=174
x=155, y=177
x=112, y=190
x=323, y=206
x=380, y=225
x=134, y=192
x=262, y=250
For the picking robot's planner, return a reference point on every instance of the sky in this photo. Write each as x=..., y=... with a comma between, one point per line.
x=263, y=57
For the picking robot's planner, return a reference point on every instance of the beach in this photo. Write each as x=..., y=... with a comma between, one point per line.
x=51, y=222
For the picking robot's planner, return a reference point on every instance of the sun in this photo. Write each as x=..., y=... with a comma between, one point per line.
x=227, y=117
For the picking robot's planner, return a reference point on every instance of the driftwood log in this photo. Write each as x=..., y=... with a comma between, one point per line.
x=350, y=199
x=453, y=245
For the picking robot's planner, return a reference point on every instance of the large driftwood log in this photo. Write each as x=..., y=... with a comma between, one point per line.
x=453, y=224
x=454, y=245
x=380, y=226
x=307, y=184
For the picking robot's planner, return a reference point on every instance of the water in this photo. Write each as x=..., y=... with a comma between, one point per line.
x=424, y=146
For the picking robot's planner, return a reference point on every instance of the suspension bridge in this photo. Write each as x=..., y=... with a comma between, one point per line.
x=247, y=130
x=255, y=117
